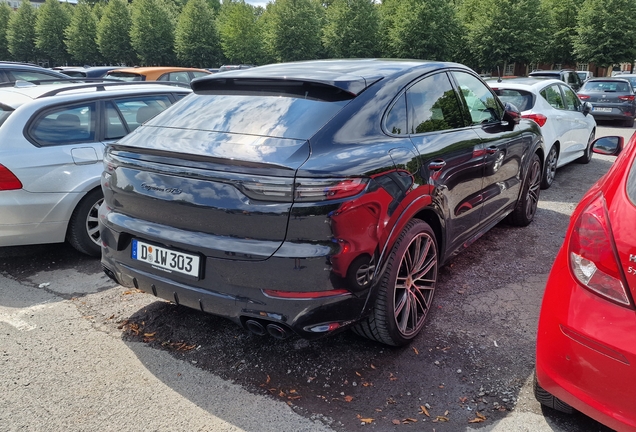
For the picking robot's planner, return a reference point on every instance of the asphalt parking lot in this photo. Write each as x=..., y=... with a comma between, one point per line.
x=78, y=352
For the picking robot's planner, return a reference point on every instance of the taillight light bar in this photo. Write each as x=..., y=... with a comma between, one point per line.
x=593, y=257
x=303, y=190
x=583, y=96
x=539, y=119
x=626, y=98
x=8, y=180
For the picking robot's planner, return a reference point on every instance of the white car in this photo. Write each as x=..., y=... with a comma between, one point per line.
x=52, y=139
x=568, y=129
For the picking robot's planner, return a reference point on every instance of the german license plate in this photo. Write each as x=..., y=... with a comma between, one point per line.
x=597, y=109
x=164, y=259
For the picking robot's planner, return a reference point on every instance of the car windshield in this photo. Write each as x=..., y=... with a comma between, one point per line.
x=607, y=86
x=522, y=99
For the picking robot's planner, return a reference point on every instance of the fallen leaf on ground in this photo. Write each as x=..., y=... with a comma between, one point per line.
x=358, y=373
x=415, y=350
x=424, y=411
x=367, y=384
x=348, y=398
x=372, y=367
x=463, y=399
x=268, y=380
x=441, y=419
x=395, y=421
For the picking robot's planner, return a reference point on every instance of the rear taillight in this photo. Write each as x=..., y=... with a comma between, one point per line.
x=539, y=119
x=592, y=254
x=583, y=96
x=627, y=98
x=304, y=190
x=8, y=180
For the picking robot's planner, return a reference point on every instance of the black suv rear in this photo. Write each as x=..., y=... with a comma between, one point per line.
x=568, y=76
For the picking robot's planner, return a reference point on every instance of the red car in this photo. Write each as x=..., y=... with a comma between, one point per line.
x=586, y=342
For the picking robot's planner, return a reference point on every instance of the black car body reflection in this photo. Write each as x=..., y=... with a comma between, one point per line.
x=315, y=196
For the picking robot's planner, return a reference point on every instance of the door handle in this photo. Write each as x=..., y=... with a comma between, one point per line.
x=492, y=150
x=436, y=165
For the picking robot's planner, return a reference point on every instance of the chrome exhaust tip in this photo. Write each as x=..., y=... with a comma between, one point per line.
x=276, y=331
x=255, y=327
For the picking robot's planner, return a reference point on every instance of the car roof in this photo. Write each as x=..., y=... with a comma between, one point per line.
x=523, y=82
x=146, y=70
x=352, y=75
x=614, y=78
x=30, y=67
x=21, y=94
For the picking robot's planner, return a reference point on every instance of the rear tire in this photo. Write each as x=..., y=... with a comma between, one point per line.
x=526, y=207
x=405, y=289
x=549, y=400
x=83, y=230
x=549, y=170
x=587, y=156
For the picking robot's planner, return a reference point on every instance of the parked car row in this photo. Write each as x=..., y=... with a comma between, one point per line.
x=312, y=197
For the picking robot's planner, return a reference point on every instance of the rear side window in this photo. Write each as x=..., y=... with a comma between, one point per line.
x=396, y=118
x=274, y=111
x=522, y=99
x=433, y=105
x=553, y=95
x=181, y=77
x=65, y=125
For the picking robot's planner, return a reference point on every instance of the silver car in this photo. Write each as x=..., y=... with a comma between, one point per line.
x=52, y=139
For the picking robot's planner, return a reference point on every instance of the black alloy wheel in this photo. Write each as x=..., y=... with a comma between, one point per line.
x=587, y=156
x=528, y=202
x=549, y=172
x=406, y=288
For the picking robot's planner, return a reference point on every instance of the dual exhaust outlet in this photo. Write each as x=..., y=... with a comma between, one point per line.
x=260, y=329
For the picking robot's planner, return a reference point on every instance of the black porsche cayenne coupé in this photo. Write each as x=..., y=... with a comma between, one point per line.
x=309, y=197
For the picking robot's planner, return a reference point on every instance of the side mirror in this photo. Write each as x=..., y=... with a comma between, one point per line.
x=586, y=108
x=511, y=114
x=609, y=145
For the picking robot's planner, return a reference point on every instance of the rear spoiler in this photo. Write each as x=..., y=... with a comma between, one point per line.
x=318, y=89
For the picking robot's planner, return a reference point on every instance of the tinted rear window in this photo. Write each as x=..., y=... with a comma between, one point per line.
x=523, y=100
x=607, y=86
x=125, y=76
x=274, y=116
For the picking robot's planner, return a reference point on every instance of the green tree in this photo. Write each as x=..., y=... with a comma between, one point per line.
x=424, y=29
x=52, y=20
x=561, y=20
x=352, y=29
x=503, y=31
x=5, y=14
x=113, y=34
x=602, y=38
x=152, y=31
x=21, y=33
x=241, y=38
x=196, y=36
x=81, y=34
x=295, y=30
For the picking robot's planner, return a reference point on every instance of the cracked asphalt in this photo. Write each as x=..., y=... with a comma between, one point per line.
x=78, y=352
